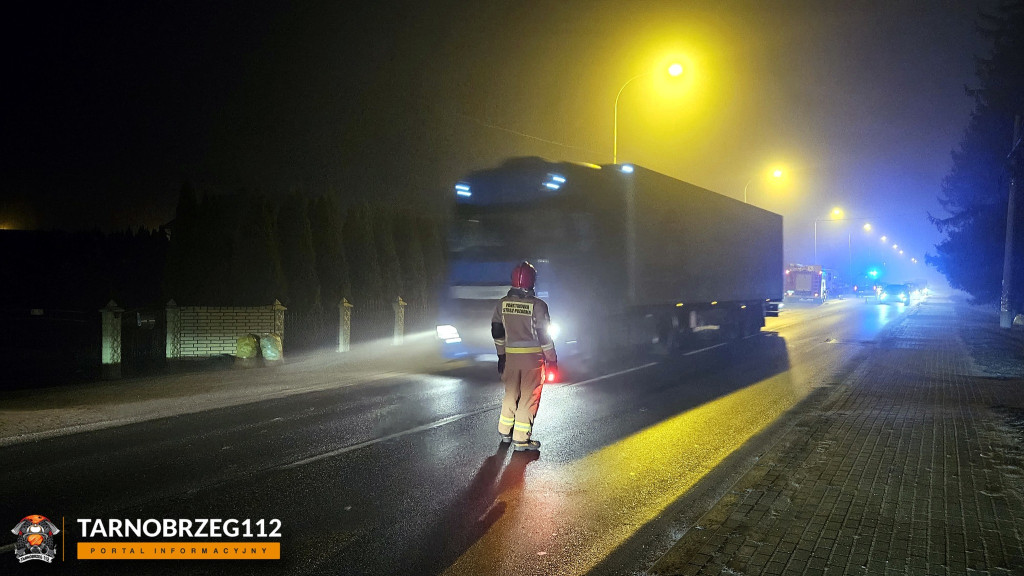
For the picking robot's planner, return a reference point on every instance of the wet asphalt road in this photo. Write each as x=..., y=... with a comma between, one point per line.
x=406, y=475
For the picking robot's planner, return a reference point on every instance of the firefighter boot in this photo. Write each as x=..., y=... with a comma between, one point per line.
x=526, y=445
x=505, y=438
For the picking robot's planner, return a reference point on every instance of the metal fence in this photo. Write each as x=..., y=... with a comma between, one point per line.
x=371, y=320
x=48, y=346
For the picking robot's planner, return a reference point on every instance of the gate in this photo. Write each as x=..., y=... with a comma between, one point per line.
x=143, y=340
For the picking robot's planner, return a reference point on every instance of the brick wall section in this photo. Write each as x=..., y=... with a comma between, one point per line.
x=210, y=330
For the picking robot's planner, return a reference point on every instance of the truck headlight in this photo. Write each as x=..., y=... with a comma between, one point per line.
x=448, y=333
x=554, y=330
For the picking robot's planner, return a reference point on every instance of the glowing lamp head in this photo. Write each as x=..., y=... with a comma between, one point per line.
x=675, y=69
x=777, y=174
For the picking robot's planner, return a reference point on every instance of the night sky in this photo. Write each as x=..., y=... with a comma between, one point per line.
x=110, y=106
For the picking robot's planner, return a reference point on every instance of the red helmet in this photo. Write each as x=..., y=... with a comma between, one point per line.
x=524, y=276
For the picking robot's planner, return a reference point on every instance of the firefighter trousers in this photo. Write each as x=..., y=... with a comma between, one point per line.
x=523, y=376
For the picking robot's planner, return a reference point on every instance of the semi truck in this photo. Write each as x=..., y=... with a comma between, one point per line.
x=808, y=283
x=625, y=257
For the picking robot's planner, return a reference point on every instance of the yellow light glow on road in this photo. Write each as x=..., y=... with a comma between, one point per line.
x=589, y=507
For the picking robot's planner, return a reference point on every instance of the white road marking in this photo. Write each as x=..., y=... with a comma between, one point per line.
x=692, y=352
x=599, y=378
x=422, y=428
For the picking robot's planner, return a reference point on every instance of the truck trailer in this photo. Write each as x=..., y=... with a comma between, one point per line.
x=625, y=257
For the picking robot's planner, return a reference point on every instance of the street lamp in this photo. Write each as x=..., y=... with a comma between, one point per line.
x=836, y=214
x=673, y=70
x=777, y=173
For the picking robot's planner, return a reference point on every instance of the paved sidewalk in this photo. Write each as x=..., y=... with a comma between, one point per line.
x=914, y=465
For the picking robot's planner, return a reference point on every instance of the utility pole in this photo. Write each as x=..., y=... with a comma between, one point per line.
x=1005, y=311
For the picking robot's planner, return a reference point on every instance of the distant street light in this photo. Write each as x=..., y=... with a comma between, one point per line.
x=673, y=70
x=867, y=227
x=777, y=173
x=884, y=238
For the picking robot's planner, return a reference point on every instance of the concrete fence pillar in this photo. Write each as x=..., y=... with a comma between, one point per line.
x=173, y=324
x=399, y=306
x=110, y=354
x=344, y=325
x=279, y=310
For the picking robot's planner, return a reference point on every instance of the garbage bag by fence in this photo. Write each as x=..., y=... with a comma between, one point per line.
x=248, y=346
x=271, y=346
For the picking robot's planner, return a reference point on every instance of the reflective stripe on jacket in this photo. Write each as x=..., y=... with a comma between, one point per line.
x=525, y=320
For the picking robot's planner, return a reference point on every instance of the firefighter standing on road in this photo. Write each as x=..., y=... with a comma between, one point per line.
x=520, y=331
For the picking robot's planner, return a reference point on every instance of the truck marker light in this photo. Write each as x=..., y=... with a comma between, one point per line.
x=744, y=307
x=552, y=376
x=714, y=302
x=679, y=304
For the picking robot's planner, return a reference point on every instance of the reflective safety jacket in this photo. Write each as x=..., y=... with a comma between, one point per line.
x=520, y=326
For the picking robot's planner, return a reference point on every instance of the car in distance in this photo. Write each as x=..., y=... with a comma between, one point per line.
x=894, y=294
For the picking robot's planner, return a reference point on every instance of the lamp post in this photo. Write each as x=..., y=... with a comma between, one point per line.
x=837, y=214
x=777, y=173
x=673, y=70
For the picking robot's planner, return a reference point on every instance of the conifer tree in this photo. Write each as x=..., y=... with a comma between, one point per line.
x=256, y=265
x=329, y=250
x=361, y=254
x=298, y=262
x=390, y=264
x=975, y=192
